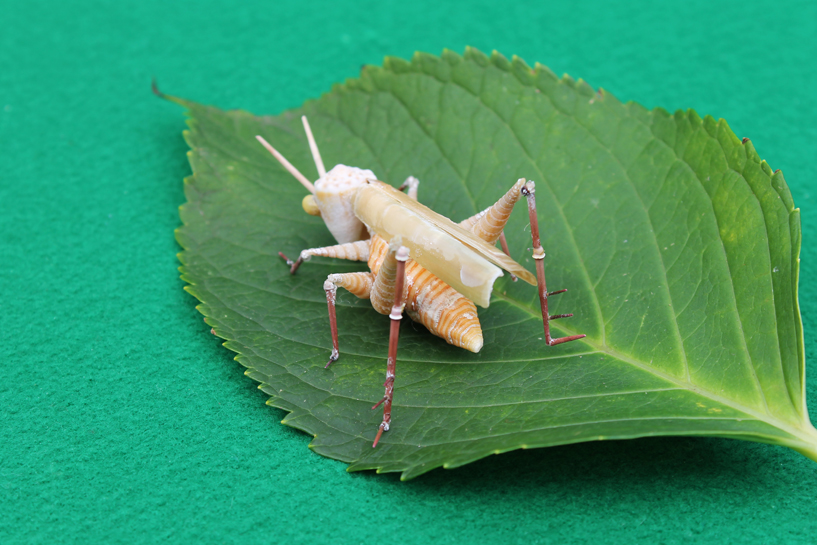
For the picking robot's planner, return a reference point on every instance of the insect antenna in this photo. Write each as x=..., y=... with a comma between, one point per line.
x=316, y=155
x=287, y=165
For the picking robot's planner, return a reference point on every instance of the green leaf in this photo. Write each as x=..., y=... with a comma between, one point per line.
x=678, y=245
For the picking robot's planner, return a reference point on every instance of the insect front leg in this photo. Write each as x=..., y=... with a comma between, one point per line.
x=399, y=298
x=528, y=190
x=359, y=283
x=353, y=251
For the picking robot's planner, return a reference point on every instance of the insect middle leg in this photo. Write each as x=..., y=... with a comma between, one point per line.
x=359, y=284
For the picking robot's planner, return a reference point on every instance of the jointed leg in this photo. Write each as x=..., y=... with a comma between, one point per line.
x=539, y=257
x=385, y=282
x=359, y=284
x=353, y=251
x=411, y=183
x=396, y=315
x=504, y=243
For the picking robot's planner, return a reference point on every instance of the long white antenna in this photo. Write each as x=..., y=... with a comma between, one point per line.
x=292, y=170
x=316, y=155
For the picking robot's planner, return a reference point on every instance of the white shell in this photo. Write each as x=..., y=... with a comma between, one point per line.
x=334, y=193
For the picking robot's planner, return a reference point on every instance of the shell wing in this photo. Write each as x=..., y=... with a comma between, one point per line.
x=458, y=257
x=482, y=248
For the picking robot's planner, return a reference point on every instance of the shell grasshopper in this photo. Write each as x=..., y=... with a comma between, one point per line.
x=421, y=262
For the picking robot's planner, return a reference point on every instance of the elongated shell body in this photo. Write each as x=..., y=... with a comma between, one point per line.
x=433, y=303
x=334, y=195
x=463, y=261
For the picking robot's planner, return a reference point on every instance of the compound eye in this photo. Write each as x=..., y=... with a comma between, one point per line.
x=311, y=206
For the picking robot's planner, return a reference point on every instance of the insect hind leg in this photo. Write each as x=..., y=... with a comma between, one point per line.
x=489, y=224
x=396, y=316
x=539, y=256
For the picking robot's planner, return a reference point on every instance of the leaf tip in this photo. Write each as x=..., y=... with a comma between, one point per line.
x=154, y=87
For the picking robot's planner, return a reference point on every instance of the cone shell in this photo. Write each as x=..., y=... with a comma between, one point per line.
x=433, y=303
x=389, y=213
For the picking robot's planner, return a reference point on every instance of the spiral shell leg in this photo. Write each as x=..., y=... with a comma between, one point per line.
x=396, y=315
x=539, y=257
x=489, y=224
x=352, y=251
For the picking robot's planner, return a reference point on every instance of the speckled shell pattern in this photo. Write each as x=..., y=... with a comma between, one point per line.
x=334, y=193
x=429, y=301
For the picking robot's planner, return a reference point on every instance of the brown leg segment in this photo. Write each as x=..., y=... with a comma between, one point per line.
x=394, y=334
x=292, y=264
x=504, y=243
x=331, y=295
x=539, y=257
x=360, y=284
x=411, y=184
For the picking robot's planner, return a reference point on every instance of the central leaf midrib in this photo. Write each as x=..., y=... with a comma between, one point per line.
x=402, y=441
x=547, y=400
x=795, y=432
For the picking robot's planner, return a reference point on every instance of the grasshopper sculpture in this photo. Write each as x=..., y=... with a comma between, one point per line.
x=420, y=261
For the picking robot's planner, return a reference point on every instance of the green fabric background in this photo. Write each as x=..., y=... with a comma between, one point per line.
x=123, y=420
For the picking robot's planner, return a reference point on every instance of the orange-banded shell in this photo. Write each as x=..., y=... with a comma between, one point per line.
x=440, y=308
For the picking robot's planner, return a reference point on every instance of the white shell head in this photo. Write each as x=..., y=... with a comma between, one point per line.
x=334, y=193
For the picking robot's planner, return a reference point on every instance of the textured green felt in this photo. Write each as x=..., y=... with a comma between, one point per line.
x=104, y=438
